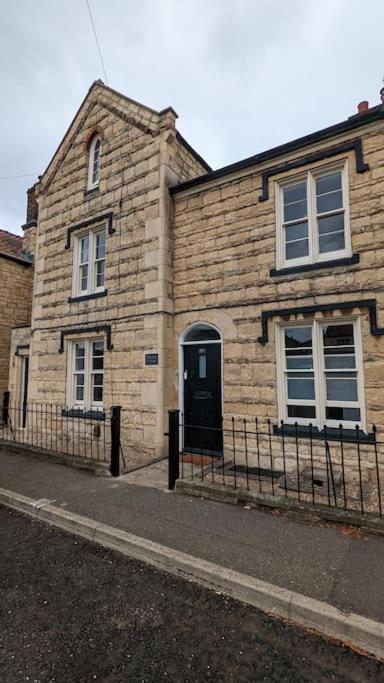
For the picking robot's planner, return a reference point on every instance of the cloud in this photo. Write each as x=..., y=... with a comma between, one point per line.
x=243, y=75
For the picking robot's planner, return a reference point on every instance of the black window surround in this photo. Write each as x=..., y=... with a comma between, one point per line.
x=87, y=297
x=330, y=434
x=87, y=330
x=351, y=145
x=315, y=308
x=21, y=347
x=91, y=221
x=332, y=263
x=88, y=414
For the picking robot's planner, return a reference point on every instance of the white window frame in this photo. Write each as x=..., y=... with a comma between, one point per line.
x=92, y=287
x=319, y=374
x=314, y=255
x=94, y=183
x=87, y=404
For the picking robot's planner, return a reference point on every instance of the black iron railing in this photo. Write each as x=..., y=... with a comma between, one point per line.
x=339, y=468
x=92, y=435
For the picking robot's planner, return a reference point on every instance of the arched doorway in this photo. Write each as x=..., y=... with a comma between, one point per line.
x=200, y=388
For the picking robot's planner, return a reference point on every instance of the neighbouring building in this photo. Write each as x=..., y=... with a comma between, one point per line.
x=16, y=284
x=255, y=290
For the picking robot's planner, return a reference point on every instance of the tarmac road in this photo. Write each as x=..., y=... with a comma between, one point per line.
x=73, y=611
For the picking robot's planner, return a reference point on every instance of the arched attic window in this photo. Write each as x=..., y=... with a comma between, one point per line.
x=94, y=163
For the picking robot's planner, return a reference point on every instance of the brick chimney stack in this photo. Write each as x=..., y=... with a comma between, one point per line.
x=362, y=107
x=30, y=227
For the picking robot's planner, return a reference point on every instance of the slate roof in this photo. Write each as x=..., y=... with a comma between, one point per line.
x=12, y=245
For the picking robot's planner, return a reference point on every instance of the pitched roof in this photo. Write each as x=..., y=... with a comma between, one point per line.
x=99, y=88
x=12, y=245
x=353, y=122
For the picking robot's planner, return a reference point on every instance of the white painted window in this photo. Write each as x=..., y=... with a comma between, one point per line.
x=85, y=374
x=89, y=263
x=319, y=367
x=94, y=163
x=313, y=218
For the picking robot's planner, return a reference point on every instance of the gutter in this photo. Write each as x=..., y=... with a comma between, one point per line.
x=17, y=259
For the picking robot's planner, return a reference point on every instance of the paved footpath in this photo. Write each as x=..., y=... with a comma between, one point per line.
x=73, y=611
x=318, y=561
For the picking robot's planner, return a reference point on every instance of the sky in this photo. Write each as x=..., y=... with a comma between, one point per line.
x=243, y=75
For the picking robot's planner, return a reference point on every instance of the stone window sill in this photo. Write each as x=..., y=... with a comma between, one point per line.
x=349, y=261
x=89, y=194
x=332, y=433
x=85, y=415
x=88, y=297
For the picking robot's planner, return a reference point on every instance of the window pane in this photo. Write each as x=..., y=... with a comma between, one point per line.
x=98, y=363
x=293, y=212
x=297, y=337
x=201, y=332
x=333, y=223
x=98, y=394
x=339, y=351
x=295, y=201
x=295, y=193
x=328, y=183
x=329, y=202
x=100, y=245
x=79, y=364
x=340, y=389
x=296, y=232
x=98, y=355
x=96, y=161
x=79, y=380
x=100, y=273
x=98, y=380
x=296, y=249
x=299, y=362
x=337, y=413
x=301, y=387
x=84, y=249
x=338, y=335
x=202, y=364
x=339, y=362
x=302, y=411
x=84, y=277
x=80, y=349
x=333, y=242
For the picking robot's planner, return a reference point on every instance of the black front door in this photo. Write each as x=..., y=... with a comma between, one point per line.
x=202, y=398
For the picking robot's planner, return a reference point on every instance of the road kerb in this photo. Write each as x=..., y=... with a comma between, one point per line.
x=352, y=629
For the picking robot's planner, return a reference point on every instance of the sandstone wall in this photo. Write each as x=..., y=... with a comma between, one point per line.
x=141, y=158
x=224, y=249
x=16, y=282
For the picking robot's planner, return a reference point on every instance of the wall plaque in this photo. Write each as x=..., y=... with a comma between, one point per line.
x=151, y=359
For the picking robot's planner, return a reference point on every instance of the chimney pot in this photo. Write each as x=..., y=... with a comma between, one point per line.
x=362, y=107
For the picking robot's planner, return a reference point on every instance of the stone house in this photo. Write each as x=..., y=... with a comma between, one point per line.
x=255, y=290
x=16, y=284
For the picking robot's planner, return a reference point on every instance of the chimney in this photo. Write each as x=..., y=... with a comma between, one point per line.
x=32, y=206
x=362, y=107
x=30, y=227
